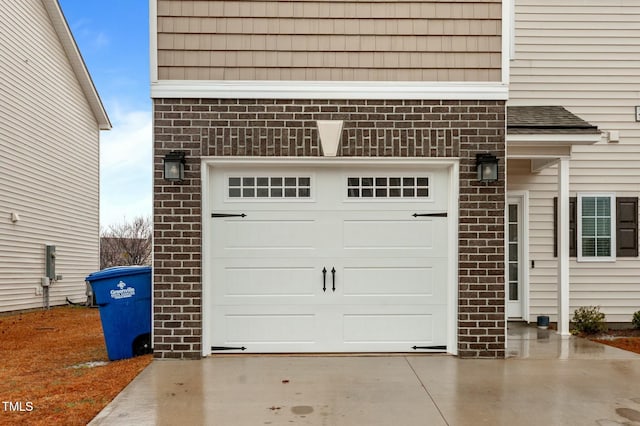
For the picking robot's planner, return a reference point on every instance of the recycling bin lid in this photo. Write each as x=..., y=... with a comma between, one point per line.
x=117, y=271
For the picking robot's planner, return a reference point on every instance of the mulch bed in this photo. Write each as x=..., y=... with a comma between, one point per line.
x=54, y=367
x=627, y=339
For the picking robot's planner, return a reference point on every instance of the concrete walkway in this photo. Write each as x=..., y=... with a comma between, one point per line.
x=546, y=381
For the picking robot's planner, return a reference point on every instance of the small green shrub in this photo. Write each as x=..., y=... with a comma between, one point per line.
x=588, y=320
x=636, y=320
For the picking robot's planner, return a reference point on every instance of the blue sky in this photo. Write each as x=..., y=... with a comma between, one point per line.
x=113, y=38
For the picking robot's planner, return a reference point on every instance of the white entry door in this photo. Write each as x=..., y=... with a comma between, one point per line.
x=515, y=257
x=328, y=259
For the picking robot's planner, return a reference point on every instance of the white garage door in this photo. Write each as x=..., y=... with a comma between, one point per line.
x=327, y=259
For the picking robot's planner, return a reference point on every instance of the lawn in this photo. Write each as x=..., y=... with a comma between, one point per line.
x=54, y=367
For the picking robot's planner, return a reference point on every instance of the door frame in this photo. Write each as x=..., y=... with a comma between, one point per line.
x=452, y=165
x=522, y=198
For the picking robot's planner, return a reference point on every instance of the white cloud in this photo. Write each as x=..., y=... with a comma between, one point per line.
x=100, y=40
x=129, y=141
x=126, y=166
x=84, y=30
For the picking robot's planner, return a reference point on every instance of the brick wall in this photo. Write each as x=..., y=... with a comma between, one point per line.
x=412, y=128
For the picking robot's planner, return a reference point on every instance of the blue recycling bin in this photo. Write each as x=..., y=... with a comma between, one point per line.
x=123, y=295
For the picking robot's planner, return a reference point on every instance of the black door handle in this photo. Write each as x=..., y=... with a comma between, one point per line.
x=333, y=276
x=324, y=279
x=444, y=214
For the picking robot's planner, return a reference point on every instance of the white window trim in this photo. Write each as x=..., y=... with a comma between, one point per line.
x=509, y=37
x=522, y=198
x=374, y=199
x=310, y=199
x=451, y=164
x=612, y=197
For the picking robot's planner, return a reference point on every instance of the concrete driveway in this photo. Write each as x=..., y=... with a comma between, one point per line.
x=546, y=381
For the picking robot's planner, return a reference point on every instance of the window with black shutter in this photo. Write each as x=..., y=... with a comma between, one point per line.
x=573, y=227
x=626, y=227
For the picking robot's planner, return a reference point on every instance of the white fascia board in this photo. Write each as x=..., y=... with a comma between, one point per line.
x=508, y=18
x=77, y=63
x=262, y=89
x=153, y=40
x=553, y=139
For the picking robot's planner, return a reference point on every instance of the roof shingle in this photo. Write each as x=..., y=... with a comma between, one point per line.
x=546, y=120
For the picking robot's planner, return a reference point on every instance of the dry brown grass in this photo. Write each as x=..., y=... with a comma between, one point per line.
x=37, y=353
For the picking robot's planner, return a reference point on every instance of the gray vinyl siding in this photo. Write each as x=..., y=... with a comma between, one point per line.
x=355, y=40
x=49, y=155
x=585, y=56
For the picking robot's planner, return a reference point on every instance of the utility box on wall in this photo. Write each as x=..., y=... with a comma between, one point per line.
x=50, y=262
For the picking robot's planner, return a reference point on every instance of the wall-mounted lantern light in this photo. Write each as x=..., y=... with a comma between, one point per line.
x=174, y=166
x=487, y=166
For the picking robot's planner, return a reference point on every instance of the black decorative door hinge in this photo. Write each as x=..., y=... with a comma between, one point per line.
x=333, y=278
x=434, y=348
x=227, y=215
x=227, y=348
x=324, y=279
x=444, y=214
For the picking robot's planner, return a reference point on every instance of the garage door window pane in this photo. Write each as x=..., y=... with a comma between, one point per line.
x=269, y=187
x=276, y=192
x=388, y=187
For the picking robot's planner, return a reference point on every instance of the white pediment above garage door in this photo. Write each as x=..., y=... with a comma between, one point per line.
x=327, y=259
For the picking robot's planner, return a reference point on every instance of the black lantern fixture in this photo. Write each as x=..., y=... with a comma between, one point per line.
x=487, y=166
x=174, y=166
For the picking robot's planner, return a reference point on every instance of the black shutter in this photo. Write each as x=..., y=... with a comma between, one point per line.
x=627, y=227
x=573, y=226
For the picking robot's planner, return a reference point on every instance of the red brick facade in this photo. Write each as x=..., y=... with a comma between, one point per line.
x=411, y=128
